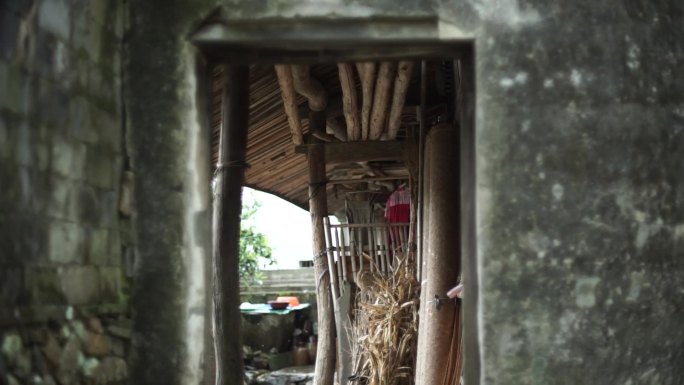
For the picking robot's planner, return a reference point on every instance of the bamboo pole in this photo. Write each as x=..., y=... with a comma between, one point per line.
x=226, y=226
x=388, y=250
x=340, y=257
x=367, y=74
x=401, y=83
x=371, y=246
x=286, y=82
x=331, y=261
x=354, y=246
x=383, y=88
x=343, y=262
x=349, y=101
x=318, y=207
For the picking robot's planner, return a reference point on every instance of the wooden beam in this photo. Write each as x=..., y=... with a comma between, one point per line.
x=349, y=101
x=383, y=88
x=368, y=179
x=336, y=129
x=318, y=207
x=352, y=152
x=310, y=88
x=286, y=82
x=333, y=108
x=367, y=74
x=401, y=83
x=226, y=225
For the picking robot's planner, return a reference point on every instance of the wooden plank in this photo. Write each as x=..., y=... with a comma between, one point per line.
x=349, y=101
x=352, y=152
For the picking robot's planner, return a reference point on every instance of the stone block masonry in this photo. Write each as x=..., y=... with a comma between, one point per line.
x=81, y=350
x=62, y=158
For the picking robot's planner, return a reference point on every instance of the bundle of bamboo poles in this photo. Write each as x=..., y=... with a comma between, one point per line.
x=385, y=326
x=376, y=116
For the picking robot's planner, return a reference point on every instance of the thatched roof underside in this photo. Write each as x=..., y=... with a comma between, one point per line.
x=276, y=168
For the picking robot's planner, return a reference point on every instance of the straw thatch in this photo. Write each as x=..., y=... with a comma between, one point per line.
x=385, y=326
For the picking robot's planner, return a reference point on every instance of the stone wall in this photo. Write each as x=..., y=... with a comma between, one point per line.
x=63, y=235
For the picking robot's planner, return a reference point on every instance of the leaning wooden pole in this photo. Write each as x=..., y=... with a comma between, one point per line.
x=401, y=83
x=230, y=175
x=366, y=71
x=286, y=83
x=318, y=207
x=381, y=99
x=349, y=101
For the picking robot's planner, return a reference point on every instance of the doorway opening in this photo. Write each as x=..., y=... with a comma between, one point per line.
x=354, y=128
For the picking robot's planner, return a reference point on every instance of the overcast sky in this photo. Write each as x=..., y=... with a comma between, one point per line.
x=286, y=226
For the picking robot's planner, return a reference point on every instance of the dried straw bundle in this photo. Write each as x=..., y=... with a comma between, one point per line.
x=385, y=327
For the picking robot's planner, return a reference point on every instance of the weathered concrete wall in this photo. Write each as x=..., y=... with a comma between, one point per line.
x=62, y=235
x=581, y=149
x=169, y=140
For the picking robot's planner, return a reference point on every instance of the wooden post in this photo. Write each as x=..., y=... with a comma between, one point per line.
x=439, y=325
x=318, y=207
x=226, y=225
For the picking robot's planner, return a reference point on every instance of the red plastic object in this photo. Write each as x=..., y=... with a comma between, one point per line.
x=293, y=301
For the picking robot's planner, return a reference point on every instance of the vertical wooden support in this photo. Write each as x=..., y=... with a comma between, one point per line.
x=421, y=168
x=318, y=208
x=331, y=260
x=442, y=254
x=340, y=257
x=226, y=225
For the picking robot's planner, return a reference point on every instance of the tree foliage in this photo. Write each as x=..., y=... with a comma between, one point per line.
x=254, y=248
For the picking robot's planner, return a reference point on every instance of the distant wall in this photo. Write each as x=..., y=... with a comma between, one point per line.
x=300, y=283
x=284, y=280
x=63, y=237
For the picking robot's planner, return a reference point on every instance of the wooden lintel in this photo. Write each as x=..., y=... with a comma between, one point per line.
x=351, y=152
x=367, y=179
